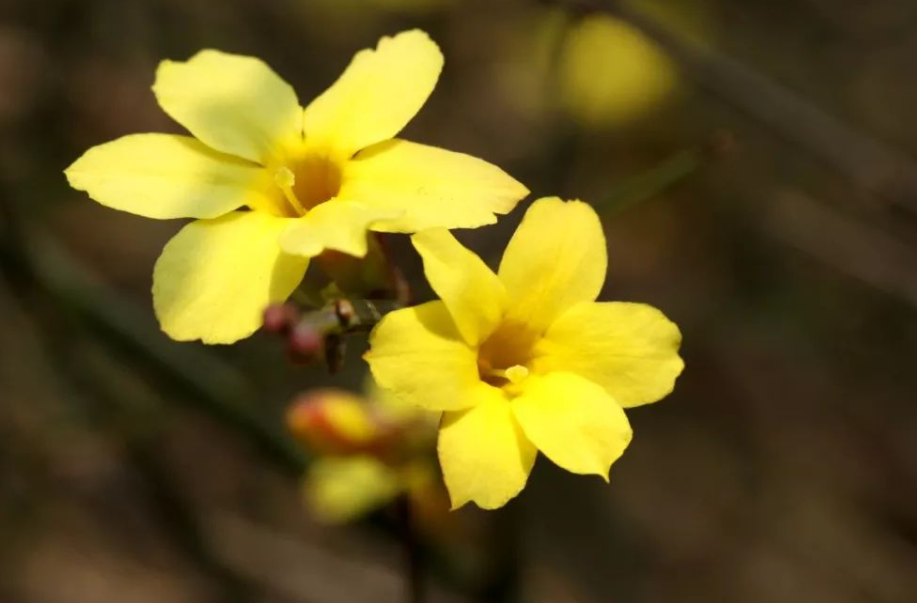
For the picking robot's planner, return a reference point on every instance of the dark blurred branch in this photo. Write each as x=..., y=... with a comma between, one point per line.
x=135, y=423
x=297, y=570
x=130, y=419
x=34, y=262
x=415, y=583
x=847, y=245
x=215, y=387
x=883, y=171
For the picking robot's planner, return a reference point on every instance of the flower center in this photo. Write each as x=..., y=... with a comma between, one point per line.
x=307, y=181
x=505, y=356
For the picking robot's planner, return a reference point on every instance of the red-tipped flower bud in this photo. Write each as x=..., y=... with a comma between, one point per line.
x=280, y=318
x=331, y=421
x=305, y=343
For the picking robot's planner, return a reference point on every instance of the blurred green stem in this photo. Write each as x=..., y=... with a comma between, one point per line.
x=36, y=262
x=131, y=420
x=641, y=187
x=414, y=578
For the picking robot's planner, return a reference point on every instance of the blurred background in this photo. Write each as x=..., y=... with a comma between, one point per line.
x=754, y=164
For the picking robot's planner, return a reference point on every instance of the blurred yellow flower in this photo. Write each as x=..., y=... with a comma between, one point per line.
x=314, y=179
x=611, y=73
x=368, y=451
x=525, y=359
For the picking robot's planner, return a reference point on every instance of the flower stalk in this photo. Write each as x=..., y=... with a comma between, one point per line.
x=311, y=335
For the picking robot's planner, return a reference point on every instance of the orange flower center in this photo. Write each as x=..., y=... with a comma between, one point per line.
x=306, y=180
x=504, y=358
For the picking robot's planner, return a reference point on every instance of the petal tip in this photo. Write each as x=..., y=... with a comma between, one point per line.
x=427, y=236
x=161, y=71
x=412, y=34
x=70, y=173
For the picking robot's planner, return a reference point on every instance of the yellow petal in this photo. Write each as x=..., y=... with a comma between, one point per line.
x=164, y=176
x=418, y=354
x=336, y=224
x=380, y=91
x=556, y=259
x=471, y=291
x=629, y=349
x=395, y=410
x=343, y=489
x=485, y=456
x=573, y=422
x=433, y=187
x=235, y=104
x=215, y=277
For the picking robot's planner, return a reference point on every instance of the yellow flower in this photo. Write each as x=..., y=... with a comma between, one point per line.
x=525, y=359
x=314, y=179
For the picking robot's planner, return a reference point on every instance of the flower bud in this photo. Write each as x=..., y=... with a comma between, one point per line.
x=331, y=421
x=305, y=343
x=280, y=318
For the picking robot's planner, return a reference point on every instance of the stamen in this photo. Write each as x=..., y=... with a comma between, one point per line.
x=514, y=374
x=285, y=179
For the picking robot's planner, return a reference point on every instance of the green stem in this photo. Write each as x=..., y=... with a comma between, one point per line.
x=641, y=187
x=415, y=583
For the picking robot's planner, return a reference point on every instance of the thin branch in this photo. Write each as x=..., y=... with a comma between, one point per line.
x=320, y=332
x=347, y=316
x=414, y=579
x=858, y=250
x=870, y=164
